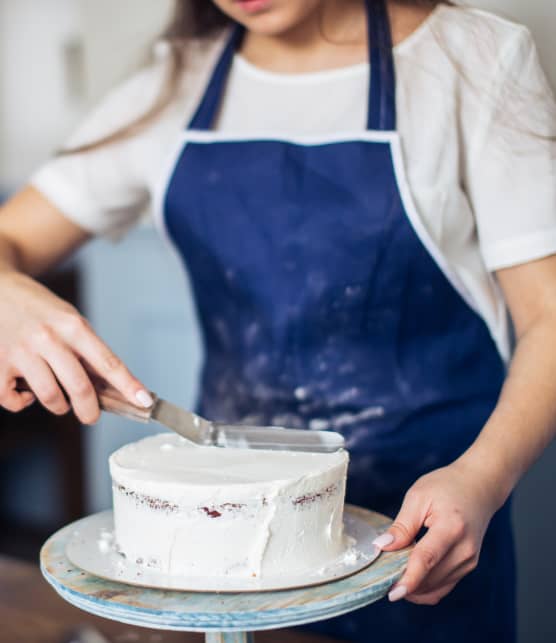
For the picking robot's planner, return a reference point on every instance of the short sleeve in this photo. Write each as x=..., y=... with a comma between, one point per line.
x=510, y=165
x=104, y=191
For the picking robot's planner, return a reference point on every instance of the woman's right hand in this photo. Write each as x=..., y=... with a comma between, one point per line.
x=45, y=341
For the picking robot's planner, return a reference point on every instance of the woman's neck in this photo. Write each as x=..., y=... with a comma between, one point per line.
x=333, y=36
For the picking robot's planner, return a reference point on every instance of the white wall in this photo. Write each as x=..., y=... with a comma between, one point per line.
x=35, y=113
x=115, y=37
x=37, y=108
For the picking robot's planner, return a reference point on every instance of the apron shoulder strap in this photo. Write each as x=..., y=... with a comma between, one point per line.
x=205, y=114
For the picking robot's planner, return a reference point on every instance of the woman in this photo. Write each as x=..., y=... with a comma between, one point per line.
x=346, y=276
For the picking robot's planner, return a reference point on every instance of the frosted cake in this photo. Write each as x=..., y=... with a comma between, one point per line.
x=207, y=511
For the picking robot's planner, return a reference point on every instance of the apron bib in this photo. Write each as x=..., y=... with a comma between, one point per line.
x=324, y=303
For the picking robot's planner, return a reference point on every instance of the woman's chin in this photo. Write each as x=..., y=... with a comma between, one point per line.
x=268, y=17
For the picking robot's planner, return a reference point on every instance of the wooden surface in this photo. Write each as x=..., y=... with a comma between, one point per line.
x=32, y=612
x=206, y=612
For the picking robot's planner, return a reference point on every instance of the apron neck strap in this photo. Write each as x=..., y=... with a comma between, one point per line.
x=382, y=85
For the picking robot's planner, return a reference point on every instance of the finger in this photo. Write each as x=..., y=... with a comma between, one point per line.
x=42, y=382
x=453, y=567
x=10, y=398
x=73, y=378
x=15, y=401
x=431, y=598
x=82, y=339
x=405, y=527
x=428, y=553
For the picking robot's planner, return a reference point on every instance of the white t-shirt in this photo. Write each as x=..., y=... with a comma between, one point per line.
x=475, y=117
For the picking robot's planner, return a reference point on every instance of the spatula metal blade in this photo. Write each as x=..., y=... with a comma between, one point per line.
x=236, y=436
x=187, y=424
x=277, y=438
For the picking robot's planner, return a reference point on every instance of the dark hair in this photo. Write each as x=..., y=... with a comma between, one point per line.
x=192, y=19
x=195, y=19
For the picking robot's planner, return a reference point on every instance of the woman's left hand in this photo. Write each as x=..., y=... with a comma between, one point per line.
x=455, y=504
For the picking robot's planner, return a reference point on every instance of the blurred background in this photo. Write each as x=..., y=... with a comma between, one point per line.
x=57, y=58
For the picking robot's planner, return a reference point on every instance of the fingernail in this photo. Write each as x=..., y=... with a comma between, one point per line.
x=397, y=593
x=383, y=540
x=144, y=399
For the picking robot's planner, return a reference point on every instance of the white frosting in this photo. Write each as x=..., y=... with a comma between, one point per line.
x=207, y=511
x=106, y=542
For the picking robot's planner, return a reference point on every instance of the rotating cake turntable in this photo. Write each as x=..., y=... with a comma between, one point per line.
x=225, y=613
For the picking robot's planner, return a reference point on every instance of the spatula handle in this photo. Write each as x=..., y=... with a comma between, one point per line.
x=110, y=400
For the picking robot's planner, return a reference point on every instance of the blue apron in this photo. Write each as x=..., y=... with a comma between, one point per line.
x=324, y=303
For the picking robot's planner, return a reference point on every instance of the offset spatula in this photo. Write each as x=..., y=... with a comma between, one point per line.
x=203, y=432
x=206, y=433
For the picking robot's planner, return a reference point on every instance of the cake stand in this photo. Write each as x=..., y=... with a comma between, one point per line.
x=224, y=618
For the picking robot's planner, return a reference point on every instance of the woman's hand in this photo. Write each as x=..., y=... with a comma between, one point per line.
x=455, y=504
x=45, y=341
